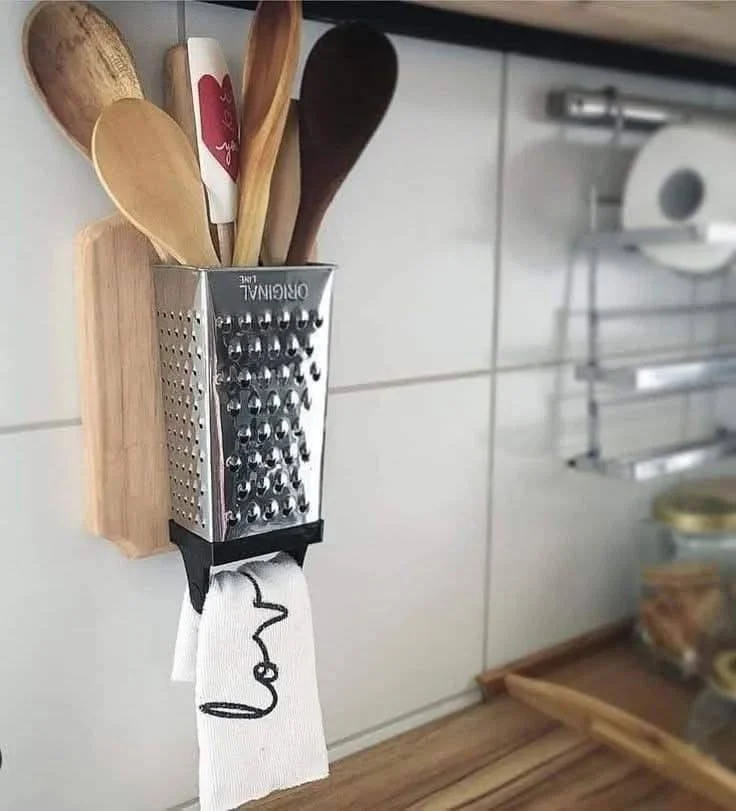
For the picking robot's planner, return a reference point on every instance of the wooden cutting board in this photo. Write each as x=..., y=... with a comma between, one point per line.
x=127, y=487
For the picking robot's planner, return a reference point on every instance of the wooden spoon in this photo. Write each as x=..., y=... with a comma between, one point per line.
x=348, y=83
x=149, y=169
x=268, y=74
x=78, y=62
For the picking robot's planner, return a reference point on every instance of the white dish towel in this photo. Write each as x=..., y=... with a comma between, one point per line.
x=251, y=656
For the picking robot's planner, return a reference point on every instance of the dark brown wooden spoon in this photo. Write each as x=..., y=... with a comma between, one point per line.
x=347, y=85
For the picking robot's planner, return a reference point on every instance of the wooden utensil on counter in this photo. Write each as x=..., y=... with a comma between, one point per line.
x=216, y=134
x=637, y=739
x=283, y=200
x=79, y=63
x=348, y=83
x=148, y=168
x=268, y=74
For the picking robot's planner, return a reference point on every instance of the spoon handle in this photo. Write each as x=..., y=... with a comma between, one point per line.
x=225, y=238
x=308, y=220
x=178, y=101
x=251, y=221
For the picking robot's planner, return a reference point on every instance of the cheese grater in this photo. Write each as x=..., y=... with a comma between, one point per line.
x=244, y=355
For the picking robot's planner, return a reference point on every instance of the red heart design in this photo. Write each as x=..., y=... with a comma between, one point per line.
x=219, y=121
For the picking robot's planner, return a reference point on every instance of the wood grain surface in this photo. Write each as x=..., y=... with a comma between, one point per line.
x=127, y=479
x=78, y=63
x=504, y=755
x=284, y=195
x=271, y=59
x=624, y=732
x=150, y=171
x=178, y=101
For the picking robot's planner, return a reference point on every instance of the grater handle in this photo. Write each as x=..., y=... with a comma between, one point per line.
x=200, y=556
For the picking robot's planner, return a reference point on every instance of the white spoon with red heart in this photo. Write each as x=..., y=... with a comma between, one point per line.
x=218, y=143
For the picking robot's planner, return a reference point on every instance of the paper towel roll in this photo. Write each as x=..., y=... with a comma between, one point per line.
x=684, y=175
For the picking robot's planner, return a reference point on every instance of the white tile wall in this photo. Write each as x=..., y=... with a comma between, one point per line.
x=88, y=718
x=454, y=538
x=398, y=585
x=87, y=636
x=548, y=169
x=50, y=192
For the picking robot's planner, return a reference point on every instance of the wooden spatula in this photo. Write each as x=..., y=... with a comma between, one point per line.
x=148, y=168
x=268, y=74
x=348, y=83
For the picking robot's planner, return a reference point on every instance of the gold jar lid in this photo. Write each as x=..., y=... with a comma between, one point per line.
x=724, y=673
x=700, y=507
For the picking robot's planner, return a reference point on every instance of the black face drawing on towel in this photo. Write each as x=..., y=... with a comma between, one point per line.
x=265, y=672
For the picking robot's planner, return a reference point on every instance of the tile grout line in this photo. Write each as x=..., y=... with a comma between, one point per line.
x=495, y=333
x=42, y=425
x=408, y=381
x=405, y=716
x=447, y=377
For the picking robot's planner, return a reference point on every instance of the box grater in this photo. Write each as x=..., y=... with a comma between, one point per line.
x=244, y=355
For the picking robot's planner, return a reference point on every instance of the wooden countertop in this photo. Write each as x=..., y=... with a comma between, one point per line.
x=504, y=755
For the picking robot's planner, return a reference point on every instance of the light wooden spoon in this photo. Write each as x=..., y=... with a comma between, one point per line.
x=348, y=83
x=283, y=200
x=78, y=62
x=268, y=74
x=148, y=167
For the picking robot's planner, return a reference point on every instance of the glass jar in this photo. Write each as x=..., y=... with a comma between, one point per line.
x=711, y=725
x=687, y=578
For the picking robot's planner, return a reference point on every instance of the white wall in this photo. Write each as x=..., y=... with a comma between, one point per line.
x=455, y=537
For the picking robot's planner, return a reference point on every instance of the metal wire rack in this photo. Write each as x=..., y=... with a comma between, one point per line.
x=645, y=380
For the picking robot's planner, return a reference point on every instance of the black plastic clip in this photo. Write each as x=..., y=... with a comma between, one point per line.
x=200, y=555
